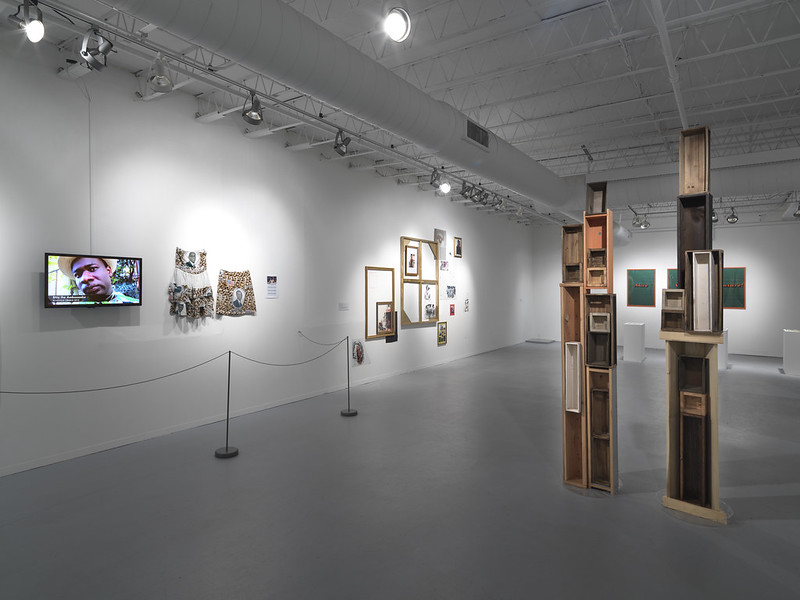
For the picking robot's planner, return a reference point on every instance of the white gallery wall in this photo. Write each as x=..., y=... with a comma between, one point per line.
x=88, y=168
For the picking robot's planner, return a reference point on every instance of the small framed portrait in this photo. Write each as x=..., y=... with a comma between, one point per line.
x=457, y=247
x=383, y=318
x=190, y=259
x=441, y=333
x=237, y=298
x=412, y=261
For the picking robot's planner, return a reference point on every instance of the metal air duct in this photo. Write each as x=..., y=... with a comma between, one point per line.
x=272, y=38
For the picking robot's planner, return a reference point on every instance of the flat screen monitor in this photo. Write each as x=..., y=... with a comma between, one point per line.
x=92, y=280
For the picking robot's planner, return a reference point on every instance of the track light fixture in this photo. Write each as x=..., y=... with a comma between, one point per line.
x=733, y=217
x=440, y=182
x=637, y=221
x=397, y=24
x=645, y=223
x=796, y=214
x=340, y=143
x=94, y=49
x=714, y=216
x=32, y=25
x=158, y=78
x=251, y=111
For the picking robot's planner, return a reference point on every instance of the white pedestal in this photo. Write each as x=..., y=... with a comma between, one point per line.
x=723, y=352
x=791, y=351
x=633, y=342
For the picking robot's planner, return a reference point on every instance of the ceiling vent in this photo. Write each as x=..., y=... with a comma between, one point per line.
x=478, y=134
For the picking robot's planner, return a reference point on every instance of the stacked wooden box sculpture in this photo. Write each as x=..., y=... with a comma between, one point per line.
x=691, y=326
x=589, y=347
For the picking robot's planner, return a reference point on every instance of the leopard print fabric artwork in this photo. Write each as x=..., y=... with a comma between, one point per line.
x=235, y=293
x=190, y=293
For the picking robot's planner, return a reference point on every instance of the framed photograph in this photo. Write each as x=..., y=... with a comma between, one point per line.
x=733, y=287
x=641, y=287
x=440, y=237
x=441, y=333
x=430, y=301
x=457, y=247
x=384, y=318
x=412, y=261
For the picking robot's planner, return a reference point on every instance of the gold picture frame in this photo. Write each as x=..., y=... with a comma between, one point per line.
x=419, y=287
x=379, y=299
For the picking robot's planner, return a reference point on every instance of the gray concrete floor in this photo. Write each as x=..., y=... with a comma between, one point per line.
x=447, y=485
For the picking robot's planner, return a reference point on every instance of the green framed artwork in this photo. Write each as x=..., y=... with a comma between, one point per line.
x=672, y=279
x=734, y=289
x=641, y=287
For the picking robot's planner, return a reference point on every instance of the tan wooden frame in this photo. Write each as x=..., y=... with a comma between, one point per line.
x=701, y=346
x=419, y=280
x=373, y=302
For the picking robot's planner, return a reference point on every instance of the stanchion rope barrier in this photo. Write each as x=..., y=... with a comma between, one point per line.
x=333, y=345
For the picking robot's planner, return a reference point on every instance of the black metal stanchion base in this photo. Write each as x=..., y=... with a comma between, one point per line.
x=226, y=452
x=349, y=412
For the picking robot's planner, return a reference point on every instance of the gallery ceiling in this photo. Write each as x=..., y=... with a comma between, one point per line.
x=583, y=88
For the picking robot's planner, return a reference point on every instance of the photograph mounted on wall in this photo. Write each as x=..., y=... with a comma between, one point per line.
x=92, y=280
x=384, y=318
x=441, y=333
x=412, y=261
x=457, y=247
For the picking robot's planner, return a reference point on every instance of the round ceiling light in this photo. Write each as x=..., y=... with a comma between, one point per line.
x=397, y=24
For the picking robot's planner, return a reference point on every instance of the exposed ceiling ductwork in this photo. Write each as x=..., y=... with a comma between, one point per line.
x=272, y=38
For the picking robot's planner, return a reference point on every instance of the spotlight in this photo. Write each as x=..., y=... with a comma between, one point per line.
x=797, y=212
x=94, y=47
x=340, y=143
x=645, y=223
x=637, y=221
x=440, y=182
x=158, y=78
x=714, y=216
x=33, y=26
x=252, y=113
x=732, y=218
x=397, y=24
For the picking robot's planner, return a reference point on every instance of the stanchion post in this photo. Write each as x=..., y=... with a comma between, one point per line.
x=227, y=451
x=348, y=412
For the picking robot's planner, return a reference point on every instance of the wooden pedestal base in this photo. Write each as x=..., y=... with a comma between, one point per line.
x=712, y=514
